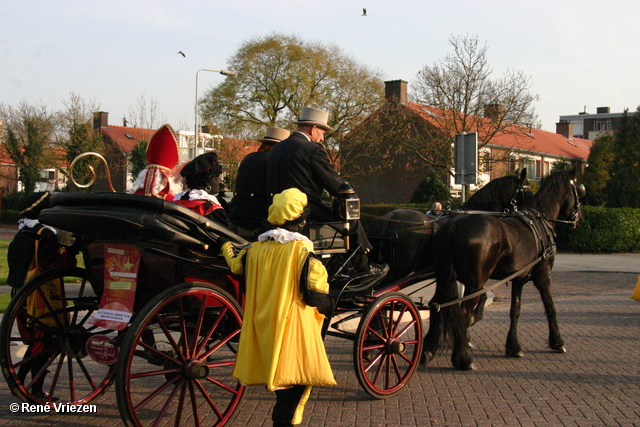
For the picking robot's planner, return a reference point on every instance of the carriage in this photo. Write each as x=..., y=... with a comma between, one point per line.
x=155, y=311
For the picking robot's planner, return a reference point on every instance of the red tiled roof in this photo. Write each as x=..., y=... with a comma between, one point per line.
x=516, y=137
x=126, y=138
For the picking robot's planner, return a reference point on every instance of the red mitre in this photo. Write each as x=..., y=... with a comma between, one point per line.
x=162, y=155
x=163, y=149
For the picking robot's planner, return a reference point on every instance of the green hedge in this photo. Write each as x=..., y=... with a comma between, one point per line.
x=9, y=216
x=603, y=230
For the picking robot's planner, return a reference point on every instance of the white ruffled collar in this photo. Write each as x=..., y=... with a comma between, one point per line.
x=281, y=236
x=197, y=194
x=31, y=223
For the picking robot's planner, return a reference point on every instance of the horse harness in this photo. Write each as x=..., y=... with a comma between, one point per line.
x=545, y=251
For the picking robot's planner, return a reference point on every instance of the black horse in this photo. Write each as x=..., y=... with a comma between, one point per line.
x=402, y=237
x=475, y=248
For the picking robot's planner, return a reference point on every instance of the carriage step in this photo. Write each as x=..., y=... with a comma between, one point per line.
x=366, y=281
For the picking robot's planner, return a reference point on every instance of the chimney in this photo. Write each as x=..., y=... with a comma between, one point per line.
x=100, y=120
x=603, y=110
x=565, y=128
x=395, y=91
x=494, y=112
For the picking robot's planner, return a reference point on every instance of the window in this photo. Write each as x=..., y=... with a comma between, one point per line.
x=531, y=168
x=602, y=124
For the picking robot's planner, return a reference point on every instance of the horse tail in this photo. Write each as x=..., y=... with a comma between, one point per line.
x=442, y=320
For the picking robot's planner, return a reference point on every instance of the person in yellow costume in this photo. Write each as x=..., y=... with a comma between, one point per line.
x=281, y=343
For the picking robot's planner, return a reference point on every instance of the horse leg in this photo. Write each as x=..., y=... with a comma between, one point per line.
x=543, y=284
x=478, y=311
x=458, y=324
x=431, y=341
x=513, y=348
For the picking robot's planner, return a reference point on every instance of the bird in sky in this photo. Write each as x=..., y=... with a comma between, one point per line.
x=181, y=53
x=364, y=11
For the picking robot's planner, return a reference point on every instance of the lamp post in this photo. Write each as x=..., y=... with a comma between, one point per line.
x=197, y=130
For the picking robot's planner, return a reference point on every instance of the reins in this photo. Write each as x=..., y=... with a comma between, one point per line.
x=437, y=307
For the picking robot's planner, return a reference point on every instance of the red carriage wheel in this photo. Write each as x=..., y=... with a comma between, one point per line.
x=177, y=357
x=388, y=344
x=43, y=339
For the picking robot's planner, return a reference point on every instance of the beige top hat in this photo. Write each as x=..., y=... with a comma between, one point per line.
x=314, y=117
x=273, y=134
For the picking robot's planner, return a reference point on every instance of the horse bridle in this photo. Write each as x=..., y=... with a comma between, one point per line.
x=578, y=191
x=514, y=199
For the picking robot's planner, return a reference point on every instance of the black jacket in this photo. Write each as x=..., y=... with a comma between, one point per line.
x=299, y=163
x=250, y=204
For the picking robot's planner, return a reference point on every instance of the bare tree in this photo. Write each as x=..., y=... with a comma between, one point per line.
x=146, y=113
x=467, y=99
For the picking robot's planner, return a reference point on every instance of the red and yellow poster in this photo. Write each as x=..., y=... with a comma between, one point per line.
x=121, y=264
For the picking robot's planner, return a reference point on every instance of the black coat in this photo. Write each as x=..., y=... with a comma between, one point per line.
x=299, y=163
x=250, y=204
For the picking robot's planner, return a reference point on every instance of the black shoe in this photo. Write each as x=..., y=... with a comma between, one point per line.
x=43, y=395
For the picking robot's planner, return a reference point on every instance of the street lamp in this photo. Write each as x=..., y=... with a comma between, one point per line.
x=197, y=130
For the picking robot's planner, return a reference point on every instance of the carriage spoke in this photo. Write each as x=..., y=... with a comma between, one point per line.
x=206, y=396
x=183, y=324
x=200, y=319
x=398, y=321
x=194, y=406
x=56, y=376
x=217, y=346
x=157, y=392
x=183, y=390
x=72, y=385
x=172, y=341
x=165, y=407
x=86, y=373
x=213, y=328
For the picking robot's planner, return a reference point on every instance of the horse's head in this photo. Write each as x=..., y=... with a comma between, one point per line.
x=559, y=198
x=570, y=210
x=504, y=193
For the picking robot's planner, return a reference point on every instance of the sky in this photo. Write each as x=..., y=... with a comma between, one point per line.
x=579, y=55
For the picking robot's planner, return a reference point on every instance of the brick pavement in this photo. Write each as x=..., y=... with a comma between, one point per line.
x=596, y=383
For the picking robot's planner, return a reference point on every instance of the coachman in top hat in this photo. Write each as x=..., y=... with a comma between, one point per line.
x=301, y=161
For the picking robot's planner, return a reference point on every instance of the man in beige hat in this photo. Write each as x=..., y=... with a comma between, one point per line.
x=301, y=161
x=251, y=200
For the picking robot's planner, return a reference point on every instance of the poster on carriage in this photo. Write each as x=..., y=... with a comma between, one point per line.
x=121, y=264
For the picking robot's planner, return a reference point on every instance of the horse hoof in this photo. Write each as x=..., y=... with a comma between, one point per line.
x=518, y=353
x=471, y=345
x=560, y=349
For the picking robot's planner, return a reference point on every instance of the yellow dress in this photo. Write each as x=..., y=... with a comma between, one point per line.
x=280, y=343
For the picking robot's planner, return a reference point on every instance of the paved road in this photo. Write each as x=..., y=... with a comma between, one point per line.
x=596, y=383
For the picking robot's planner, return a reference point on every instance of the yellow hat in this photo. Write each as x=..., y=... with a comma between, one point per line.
x=287, y=206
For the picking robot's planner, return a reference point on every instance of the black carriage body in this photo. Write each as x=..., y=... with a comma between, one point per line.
x=177, y=244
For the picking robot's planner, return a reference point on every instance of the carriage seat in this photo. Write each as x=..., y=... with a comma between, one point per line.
x=132, y=218
x=327, y=237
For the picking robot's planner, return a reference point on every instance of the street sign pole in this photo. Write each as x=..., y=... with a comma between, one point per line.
x=466, y=160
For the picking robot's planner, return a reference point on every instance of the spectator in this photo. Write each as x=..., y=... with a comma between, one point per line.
x=435, y=211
